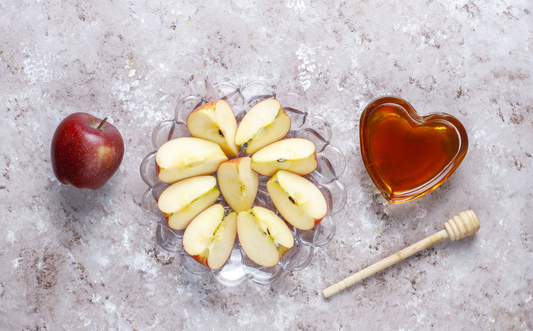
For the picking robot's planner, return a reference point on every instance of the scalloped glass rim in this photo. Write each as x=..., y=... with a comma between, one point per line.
x=331, y=165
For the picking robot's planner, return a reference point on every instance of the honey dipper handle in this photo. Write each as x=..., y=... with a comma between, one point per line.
x=385, y=263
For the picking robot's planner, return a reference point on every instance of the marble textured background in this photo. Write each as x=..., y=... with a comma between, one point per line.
x=86, y=260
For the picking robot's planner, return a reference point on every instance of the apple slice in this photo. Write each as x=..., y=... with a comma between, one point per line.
x=238, y=183
x=215, y=122
x=187, y=157
x=210, y=237
x=264, y=236
x=182, y=201
x=298, y=200
x=265, y=123
x=296, y=155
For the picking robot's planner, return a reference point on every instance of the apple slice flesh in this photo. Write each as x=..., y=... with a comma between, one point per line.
x=215, y=121
x=264, y=236
x=298, y=200
x=187, y=157
x=238, y=183
x=265, y=123
x=183, y=200
x=210, y=237
x=296, y=155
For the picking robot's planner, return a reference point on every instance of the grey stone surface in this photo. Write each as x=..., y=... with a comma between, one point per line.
x=86, y=260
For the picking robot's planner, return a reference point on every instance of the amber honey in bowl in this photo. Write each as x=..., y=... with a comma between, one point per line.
x=408, y=155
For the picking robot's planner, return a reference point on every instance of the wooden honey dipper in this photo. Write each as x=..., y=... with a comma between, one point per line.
x=458, y=227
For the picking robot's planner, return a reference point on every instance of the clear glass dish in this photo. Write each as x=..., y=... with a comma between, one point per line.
x=331, y=165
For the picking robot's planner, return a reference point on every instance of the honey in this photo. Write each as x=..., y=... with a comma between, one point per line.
x=408, y=155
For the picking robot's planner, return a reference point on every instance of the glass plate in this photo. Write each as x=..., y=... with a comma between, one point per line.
x=331, y=165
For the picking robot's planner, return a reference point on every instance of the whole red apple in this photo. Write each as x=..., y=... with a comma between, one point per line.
x=86, y=151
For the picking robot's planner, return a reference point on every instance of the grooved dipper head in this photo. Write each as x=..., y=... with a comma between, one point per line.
x=462, y=225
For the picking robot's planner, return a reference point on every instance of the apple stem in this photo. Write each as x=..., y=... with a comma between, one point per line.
x=101, y=124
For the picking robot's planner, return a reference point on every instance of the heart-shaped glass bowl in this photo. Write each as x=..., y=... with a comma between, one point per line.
x=331, y=165
x=408, y=155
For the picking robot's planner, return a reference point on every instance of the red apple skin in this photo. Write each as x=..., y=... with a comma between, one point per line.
x=84, y=156
x=202, y=258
